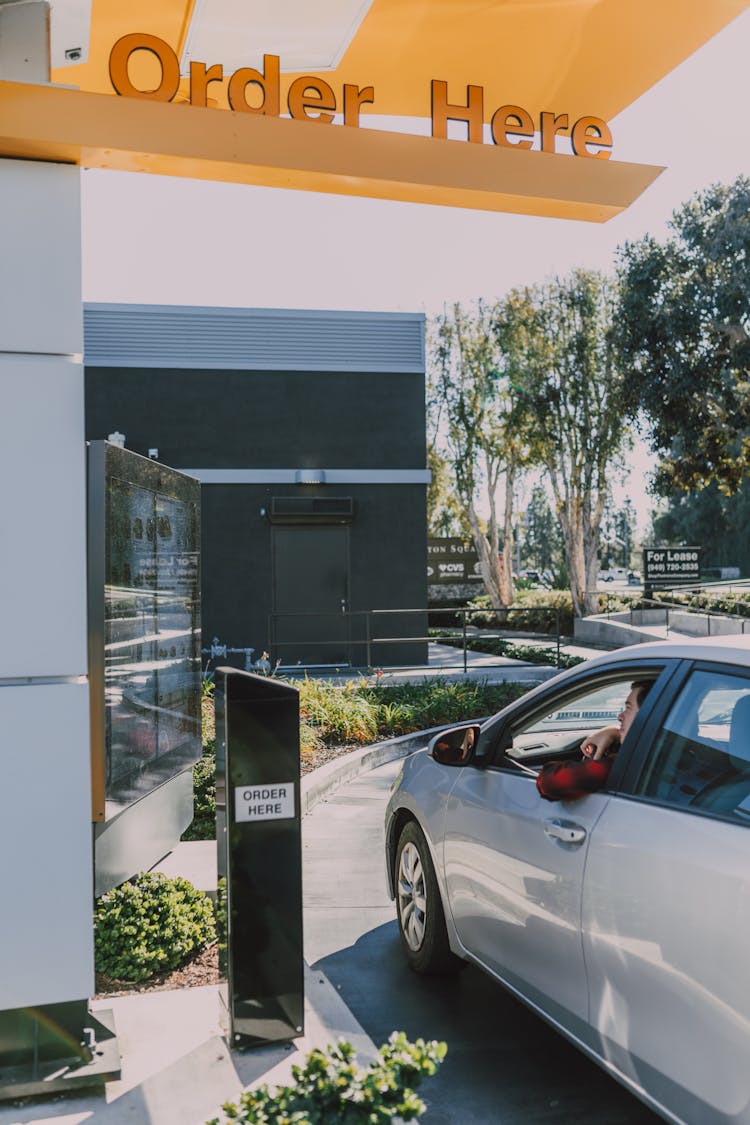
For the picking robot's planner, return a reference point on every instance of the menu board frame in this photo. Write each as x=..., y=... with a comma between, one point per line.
x=143, y=586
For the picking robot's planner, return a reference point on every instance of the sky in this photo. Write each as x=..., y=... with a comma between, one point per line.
x=150, y=239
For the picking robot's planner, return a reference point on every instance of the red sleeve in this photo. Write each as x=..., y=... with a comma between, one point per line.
x=566, y=781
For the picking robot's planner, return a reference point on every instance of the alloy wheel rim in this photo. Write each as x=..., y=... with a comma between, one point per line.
x=412, y=898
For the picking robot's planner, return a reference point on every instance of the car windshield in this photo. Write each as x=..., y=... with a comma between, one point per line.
x=598, y=708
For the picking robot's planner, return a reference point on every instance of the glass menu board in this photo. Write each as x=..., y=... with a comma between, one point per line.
x=145, y=614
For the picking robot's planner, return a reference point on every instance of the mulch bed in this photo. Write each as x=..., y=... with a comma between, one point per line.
x=202, y=968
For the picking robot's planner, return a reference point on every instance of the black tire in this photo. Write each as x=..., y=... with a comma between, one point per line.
x=421, y=921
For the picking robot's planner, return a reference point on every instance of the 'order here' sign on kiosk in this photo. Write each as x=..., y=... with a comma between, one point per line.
x=264, y=802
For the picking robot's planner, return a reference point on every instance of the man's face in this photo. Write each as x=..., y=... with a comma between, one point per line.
x=628, y=713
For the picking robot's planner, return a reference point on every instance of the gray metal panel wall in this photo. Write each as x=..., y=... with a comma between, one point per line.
x=191, y=337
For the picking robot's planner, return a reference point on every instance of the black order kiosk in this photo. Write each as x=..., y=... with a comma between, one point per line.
x=258, y=827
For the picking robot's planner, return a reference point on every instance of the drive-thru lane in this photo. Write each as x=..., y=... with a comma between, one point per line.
x=504, y=1064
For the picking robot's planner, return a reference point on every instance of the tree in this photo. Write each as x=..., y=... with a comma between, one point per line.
x=559, y=354
x=683, y=337
x=478, y=421
x=617, y=535
x=707, y=518
x=542, y=542
x=444, y=515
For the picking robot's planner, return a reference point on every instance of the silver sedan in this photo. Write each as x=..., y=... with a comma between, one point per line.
x=619, y=909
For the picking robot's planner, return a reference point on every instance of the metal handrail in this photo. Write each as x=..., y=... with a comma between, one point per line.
x=369, y=641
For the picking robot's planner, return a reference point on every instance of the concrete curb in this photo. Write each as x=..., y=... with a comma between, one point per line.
x=320, y=783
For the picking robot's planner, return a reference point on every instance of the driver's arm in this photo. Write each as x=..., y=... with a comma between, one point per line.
x=566, y=781
x=600, y=743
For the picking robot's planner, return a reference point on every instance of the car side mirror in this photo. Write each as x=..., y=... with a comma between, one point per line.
x=455, y=746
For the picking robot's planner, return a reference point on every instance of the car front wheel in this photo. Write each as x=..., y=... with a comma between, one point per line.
x=421, y=920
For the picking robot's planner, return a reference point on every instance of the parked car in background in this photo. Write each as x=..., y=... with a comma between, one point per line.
x=614, y=574
x=621, y=917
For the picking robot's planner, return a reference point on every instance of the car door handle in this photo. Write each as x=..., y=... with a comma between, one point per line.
x=565, y=830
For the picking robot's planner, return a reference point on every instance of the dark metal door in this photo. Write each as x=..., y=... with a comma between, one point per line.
x=311, y=595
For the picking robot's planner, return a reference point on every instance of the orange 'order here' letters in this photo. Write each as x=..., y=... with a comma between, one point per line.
x=310, y=98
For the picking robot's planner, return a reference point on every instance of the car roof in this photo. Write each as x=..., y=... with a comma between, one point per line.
x=731, y=649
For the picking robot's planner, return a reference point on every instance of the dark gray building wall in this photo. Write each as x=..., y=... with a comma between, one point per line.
x=353, y=402
x=387, y=548
x=261, y=419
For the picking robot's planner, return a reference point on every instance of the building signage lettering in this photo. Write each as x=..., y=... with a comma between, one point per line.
x=310, y=98
x=452, y=560
x=274, y=801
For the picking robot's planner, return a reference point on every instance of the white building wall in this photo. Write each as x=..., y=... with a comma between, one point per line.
x=45, y=826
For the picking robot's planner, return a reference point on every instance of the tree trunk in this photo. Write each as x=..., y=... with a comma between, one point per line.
x=591, y=556
x=489, y=563
x=506, y=571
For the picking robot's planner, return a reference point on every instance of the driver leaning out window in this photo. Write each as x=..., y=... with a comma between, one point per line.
x=567, y=781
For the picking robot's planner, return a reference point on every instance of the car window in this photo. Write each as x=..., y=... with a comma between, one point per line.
x=701, y=757
x=559, y=730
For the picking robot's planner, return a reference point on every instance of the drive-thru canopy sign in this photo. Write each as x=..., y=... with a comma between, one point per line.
x=499, y=90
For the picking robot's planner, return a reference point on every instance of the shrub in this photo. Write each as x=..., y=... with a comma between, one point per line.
x=330, y=1087
x=534, y=611
x=498, y=646
x=203, y=824
x=403, y=708
x=150, y=925
x=340, y=712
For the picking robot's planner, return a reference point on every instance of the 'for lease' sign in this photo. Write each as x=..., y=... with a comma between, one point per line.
x=666, y=566
x=272, y=801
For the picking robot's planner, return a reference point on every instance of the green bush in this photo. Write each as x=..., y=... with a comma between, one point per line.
x=534, y=611
x=340, y=712
x=330, y=1088
x=404, y=708
x=150, y=925
x=735, y=602
x=203, y=824
x=498, y=646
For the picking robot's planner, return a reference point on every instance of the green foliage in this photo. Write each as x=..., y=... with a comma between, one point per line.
x=542, y=545
x=404, y=708
x=221, y=918
x=309, y=738
x=532, y=654
x=682, y=334
x=203, y=824
x=710, y=519
x=481, y=423
x=735, y=603
x=360, y=712
x=444, y=513
x=330, y=1089
x=562, y=362
x=534, y=611
x=340, y=712
x=150, y=925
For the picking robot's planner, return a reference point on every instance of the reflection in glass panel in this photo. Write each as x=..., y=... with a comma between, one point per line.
x=151, y=638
